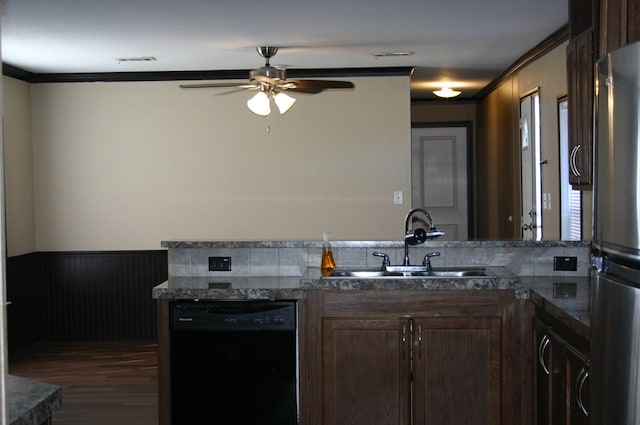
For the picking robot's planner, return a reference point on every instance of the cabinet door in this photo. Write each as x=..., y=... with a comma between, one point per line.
x=366, y=371
x=457, y=370
x=561, y=380
x=619, y=24
x=548, y=378
x=580, y=71
x=577, y=373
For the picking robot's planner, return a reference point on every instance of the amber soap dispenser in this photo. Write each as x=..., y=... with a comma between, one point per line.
x=327, y=263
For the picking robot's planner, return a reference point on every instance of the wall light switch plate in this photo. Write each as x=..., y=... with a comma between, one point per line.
x=398, y=197
x=219, y=264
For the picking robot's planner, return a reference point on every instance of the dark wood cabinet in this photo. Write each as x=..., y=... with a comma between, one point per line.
x=561, y=378
x=372, y=367
x=582, y=53
x=456, y=370
x=596, y=27
x=367, y=367
x=580, y=79
x=619, y=24
x=411, y=357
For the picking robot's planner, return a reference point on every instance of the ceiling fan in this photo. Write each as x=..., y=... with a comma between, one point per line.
x=271, y=82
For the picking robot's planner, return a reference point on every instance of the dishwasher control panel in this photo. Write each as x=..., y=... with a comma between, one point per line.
x=233, y=315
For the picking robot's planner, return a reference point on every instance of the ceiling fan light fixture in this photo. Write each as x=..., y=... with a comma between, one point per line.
x=283, y=102
x=259, y=104
x=446, y=92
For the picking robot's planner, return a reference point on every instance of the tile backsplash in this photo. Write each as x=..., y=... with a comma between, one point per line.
x=301, y=258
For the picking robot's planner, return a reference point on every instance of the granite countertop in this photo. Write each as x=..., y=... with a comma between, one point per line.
x=363, y=244
x=295, y=287
x=565, y=298
x=31, y=402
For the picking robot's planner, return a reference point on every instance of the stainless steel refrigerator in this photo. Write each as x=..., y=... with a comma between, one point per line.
x=615, y=324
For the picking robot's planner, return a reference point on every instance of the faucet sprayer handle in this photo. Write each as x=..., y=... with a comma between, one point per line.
x=416, y=236
x=385, y=259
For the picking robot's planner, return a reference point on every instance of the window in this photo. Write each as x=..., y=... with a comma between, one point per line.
x=570, y=200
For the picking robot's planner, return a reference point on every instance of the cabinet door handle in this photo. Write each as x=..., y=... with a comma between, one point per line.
x=582, y=378
x=573, y=164
x=542, y=348
x=419, y=341
x=404, y=342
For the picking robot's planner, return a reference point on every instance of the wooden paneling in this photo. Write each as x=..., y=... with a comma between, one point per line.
x=22, y=312
x=497, y=189
x=83, y=296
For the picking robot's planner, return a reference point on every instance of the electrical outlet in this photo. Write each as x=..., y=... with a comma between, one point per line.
x=565, y=263
x=219, y=264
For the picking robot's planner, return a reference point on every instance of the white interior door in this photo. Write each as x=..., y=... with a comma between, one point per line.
x=531, y=220
x=439, y=181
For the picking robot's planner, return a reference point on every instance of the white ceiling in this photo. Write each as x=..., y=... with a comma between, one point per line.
x=468, y=42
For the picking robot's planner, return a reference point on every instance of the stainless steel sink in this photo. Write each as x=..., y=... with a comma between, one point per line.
x=452, y=273
x=363, y=273
x=407, y=272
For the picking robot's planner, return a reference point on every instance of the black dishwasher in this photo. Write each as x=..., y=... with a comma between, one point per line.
x=233, y=362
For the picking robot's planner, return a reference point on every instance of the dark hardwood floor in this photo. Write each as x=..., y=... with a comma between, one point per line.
x=103, y=383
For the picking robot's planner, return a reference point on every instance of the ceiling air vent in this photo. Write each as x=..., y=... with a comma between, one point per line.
x=391, y=54
x=140, y=59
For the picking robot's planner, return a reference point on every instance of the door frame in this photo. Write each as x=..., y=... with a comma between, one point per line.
x=535, y=149
x=468, y=125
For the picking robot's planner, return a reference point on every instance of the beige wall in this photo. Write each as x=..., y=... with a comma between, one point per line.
x=18, y=167
x=98, y=166
x=127, y=165
x=549, y=75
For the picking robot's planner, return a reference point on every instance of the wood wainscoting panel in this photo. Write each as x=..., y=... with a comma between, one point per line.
x=83, y=296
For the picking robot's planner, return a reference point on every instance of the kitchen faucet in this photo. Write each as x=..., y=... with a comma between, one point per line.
x=418, y=236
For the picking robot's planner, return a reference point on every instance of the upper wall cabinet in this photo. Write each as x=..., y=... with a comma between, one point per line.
x=596, y=27
x=580, y=60
x=581, y=57
x=619, y=24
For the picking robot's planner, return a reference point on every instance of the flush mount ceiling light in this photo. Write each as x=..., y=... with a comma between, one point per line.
x=260, y=103
x=446, y=92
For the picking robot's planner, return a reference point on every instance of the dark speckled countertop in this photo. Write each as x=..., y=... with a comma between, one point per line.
x=295, y=287
x=31, y=402
x=564, y=298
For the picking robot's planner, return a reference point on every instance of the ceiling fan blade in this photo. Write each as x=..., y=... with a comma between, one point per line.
x=210, y=85
x=235, y=90
x=317, y=86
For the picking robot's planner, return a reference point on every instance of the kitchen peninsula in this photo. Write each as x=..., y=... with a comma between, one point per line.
x=470, y=338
